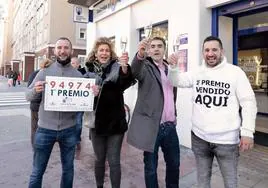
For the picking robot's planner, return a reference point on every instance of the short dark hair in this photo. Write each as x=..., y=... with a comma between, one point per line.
x=161, y=39
x=211, y=38
x=65, y=38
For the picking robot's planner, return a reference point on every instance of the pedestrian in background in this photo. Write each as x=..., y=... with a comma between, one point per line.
x=79, y=115
x=54, y=126
x=10, y=79
x=14, y=77
x=153, y=122
x=110, y=122
x=219, y=90
x=77, y=65
x=34, y=104
x=19, y=78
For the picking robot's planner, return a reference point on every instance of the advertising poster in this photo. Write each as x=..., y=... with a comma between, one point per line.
x=183, y=52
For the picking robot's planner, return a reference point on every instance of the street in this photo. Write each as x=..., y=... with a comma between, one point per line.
x=16, y=155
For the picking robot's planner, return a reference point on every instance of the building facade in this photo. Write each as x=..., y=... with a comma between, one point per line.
x=6, y=50
x=37, y=24
x=186, y=23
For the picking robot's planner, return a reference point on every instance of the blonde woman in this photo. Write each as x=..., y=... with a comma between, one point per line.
x=113, y=77
x=34, y=105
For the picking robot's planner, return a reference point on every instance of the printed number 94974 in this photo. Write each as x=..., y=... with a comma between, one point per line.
x=69, y=85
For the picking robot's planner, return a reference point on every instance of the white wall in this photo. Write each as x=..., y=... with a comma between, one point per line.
x=91, y=36
x=226, y=35
x=214, y=3
x=191, y=17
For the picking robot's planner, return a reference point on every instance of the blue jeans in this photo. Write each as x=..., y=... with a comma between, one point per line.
x=79, y=119
x=167, y=139
x=43, y=145
x=226, y=155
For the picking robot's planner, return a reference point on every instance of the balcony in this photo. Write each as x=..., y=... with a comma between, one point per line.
x=86, y=3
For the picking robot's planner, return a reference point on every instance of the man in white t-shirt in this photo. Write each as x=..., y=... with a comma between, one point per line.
x=220, y=89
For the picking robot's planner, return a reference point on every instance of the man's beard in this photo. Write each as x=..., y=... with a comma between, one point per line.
x=64, y=62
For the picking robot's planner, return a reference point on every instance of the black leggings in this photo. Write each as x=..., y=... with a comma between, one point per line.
x=109, y=146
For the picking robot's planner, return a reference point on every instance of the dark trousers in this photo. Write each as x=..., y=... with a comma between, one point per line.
x=14, y=82
x=109, y=146
x=34, y=121
x=167, y=139
x=79, y=121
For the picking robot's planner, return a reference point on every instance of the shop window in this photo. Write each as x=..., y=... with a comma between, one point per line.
x=255, y=64
x=159, y=30
x=253, y=59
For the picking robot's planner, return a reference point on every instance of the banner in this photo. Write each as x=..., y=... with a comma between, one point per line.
x=68, y=94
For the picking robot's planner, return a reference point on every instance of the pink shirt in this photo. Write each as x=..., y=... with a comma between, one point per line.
x=169, y=107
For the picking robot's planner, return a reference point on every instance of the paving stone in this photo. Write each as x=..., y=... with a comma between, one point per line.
x=16, y=161
x=261, y=184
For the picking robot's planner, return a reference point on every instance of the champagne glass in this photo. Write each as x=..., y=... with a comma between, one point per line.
x=148, y=30
x=176, y=44
x=123, y=43
x=175, y=48
x=147, y=34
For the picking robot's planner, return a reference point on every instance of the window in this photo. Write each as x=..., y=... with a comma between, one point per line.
x=82, y=60
x=161, y=30
x=82, y=33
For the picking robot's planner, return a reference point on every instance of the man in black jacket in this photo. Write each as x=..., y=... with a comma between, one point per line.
x=79, y=115
x=34, y=106
x=14, y=77
x=153, y=123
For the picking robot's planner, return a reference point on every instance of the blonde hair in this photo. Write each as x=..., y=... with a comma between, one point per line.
x=100, y=41
x=45, y=63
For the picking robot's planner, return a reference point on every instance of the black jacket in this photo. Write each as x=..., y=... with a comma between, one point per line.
x=82, y=70
x=110, y=113
x=34, y=105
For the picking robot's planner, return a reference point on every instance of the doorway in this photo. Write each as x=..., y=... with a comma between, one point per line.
x=245, y=24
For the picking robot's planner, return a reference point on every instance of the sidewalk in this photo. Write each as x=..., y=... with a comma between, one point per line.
x=16, y=160
x=16, y=165
x=5, y=88
x=252, y=170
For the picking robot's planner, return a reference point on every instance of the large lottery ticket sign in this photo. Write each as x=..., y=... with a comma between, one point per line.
x=69, y=94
